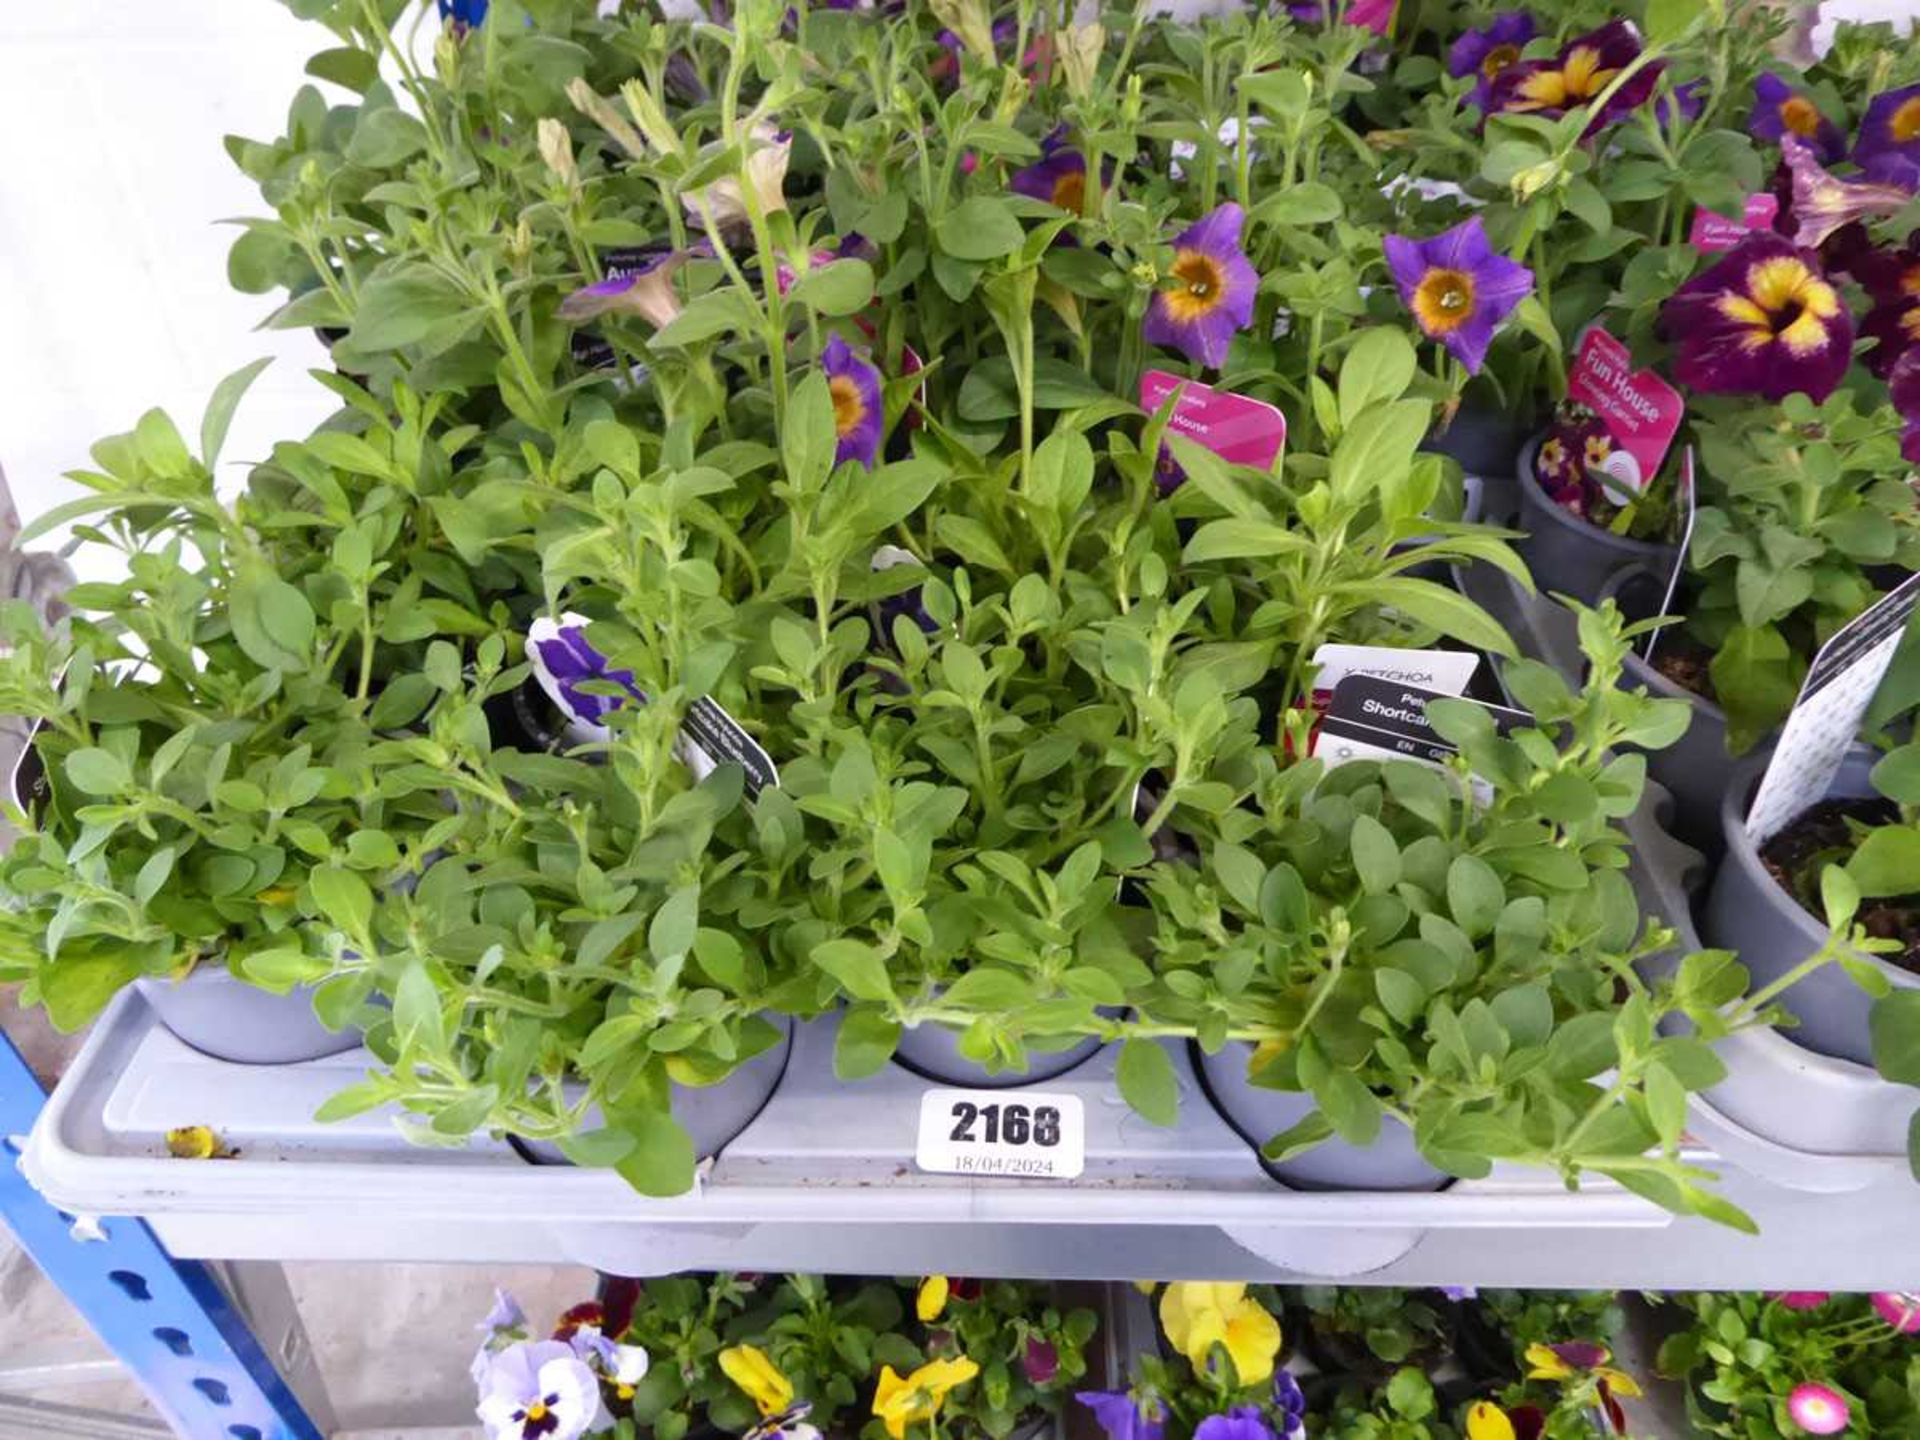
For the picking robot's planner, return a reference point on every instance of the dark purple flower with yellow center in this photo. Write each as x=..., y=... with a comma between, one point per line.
x=1893, y=280
x=1684, y=104
x=1211, y=291
x=1764, y=321
x=1780, y=110
x=1458, y=289
x=857, y=412
x=1059, y=177
x=1578, y=76
x=1904, y=385
x=1889, y=131
x=1483, y=54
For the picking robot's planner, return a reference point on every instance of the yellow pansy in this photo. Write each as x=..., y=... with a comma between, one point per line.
x=1487, y=1421
x=1197, y=1315
x=1575, y=1358
x=932, y=1299
x=899, y=1401
x=756, y=1375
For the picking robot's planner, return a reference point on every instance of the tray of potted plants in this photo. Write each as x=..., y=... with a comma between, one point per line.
x=825, y=587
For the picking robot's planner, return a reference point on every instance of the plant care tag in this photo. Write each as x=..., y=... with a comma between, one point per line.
x=563, y=662
x=1015, y=1134
x=1445, y=672
x=1826, y=715
x=1689, y=499
x=1375, y=719
x=1712, y=232
x=28, y=785
x=1638, y=414
x=1238, y=430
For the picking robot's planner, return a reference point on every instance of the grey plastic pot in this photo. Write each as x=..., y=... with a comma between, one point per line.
x=232, y=1020
x=711, y=1114
x=1392, y=1162
x=1747, y=912
x=934, y=1051
x=1567, y=555
x=1486, y=441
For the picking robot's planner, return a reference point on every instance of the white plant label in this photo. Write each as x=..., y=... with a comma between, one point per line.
x=1445, y=671
x=1826, y=717
x=1012, y=1134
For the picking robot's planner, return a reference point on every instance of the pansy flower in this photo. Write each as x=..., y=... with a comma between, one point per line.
x=1198, y=1315
x=903, y=1400
x=1487, y=1421
x=1818, y=1409
x=1904, y=385
x=1483, y=54
x=1763, y=321
x=539, y=1390
x=1577, y=1359
x=1243, y=1422
x=1779, y=110
x=1123, y=1417
x=1457, y=288
x=1290, y=1403
x=1039, y=1360
x=789, y=1424
x=1888, y=145
x=1211, y=291
x=753, y=1371
x=645, y=290
x=1577, y=76
x=931, y=1298
x=857, y=411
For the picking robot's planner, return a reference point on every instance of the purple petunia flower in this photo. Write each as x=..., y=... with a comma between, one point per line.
x=1291, y=1401
x=1764, y=321
x=1244, y=1422
x=1684, y=104
x=1058, y=177
x=1212, y=292
x=1485, y=53
x=1889, y=129
x=1040, y=1360
x=1904, y=385
x=1823, y=204
x=1458, y=289
x=1121, y=1416
x=1780, y=110
x=857, y=411
x=1577, y=76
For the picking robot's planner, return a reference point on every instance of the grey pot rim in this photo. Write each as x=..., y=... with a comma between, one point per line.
x=1559, y=515
x=1742, y=852
x=979, y=1079
x=1639, y=669
x=1194, y=1057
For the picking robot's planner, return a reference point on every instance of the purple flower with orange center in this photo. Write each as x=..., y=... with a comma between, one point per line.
x=1888, y=145
x=857, y=411
x=1763, y=321
x=1904, y=385
x=1059, y=177
x=1779, y=110
x=1485, y=53
x=1211, y=291
x=1458, y=289
x=1823, y=204
x=1578, y=76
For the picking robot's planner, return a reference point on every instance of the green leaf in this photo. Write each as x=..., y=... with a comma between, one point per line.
x=1668, y=20
x=1894, y=1026
x=1404, y=997
x=989, y=991
x=272, y=621
x=1378, y=368
x=1298, y=1138
x=1147, y=1081
x=1475, y=896
x=76, y=991
x=1447, y=611
x=344, y=898
x=1376, y=858
x=807, y=448
x=1350, y=1107
x=353, y=68
x=866, y=1041
x=403, y=307
x=99, y=772
x=1583, y=1046
x=226, y=399
x=1897, y=775
x=1666, y=1101
x=857, y=966
x=661, y=1162
x=1887, y=862
x=385, y=137
x=675, y=924
x=840, y=287
x=979, y=228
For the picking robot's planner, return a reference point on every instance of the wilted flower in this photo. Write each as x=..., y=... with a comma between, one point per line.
x=1780, y=110
x=1212, y=292
x=1817, y=1409
x=1457, y=288
x=1890, y=130
x=1577, y=76
x=1485, y=53
x=556, y=149
x=539, y=1390
x=1291, y=1402
x=646, y=290
x=857, y=410
x=768, y=151
x=1244, y=1422
x=931, y=1299
x=1763, y=321
x=1040, y=1360
x=899, y=1401
x=1904, y=385
x=1122, y=1417
x=1198, y=1315
x=750, y=1368
x=1823, y=204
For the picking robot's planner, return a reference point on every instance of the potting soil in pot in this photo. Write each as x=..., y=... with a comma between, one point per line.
x=1826, y=835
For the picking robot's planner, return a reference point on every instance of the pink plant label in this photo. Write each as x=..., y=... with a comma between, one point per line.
x=1238, y=430
x=1641, y=412
x=1713, y=232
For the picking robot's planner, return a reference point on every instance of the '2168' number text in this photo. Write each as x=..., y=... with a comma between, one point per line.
x=1011, y=1124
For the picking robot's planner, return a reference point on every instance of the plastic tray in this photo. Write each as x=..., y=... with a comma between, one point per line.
x=1784, y=1112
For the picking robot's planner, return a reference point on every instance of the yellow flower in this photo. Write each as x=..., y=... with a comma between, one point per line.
x=1197, y=1315
x=899, y=1401
x=1577, y=1358
x=932, y=1298
x=1487, y=1421
x=756, y=1375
